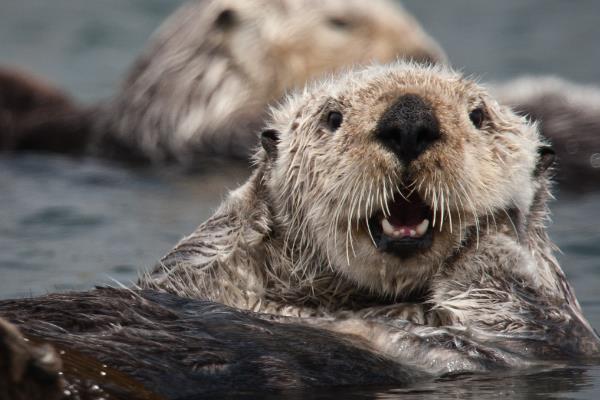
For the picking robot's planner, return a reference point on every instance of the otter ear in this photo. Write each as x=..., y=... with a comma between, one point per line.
x=269, y=140
x=226, y=19
x=546, y=159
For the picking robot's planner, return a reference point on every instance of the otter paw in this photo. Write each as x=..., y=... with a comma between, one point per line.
x=27, y=370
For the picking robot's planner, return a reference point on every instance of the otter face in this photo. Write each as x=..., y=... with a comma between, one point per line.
x=300, y=40
x=205, y=81
x=387, y=171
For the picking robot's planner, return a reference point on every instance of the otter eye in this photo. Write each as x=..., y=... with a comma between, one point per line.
x=339, y=23
x=334, y=120
x=226, y=19
x=477, y=116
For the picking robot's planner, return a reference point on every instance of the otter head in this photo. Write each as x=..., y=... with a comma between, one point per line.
x=282, y=44
x=204, y=82
x=385, y=173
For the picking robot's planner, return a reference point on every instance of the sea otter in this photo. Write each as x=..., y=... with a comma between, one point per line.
x=202, y=85
x=401, y=185
x=395, y=220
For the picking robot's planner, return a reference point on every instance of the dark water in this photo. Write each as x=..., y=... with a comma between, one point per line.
x=566, y=383
x=67, y=224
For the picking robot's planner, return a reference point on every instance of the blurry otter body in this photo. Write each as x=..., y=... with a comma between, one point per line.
x=392, y=185
x=206, y=77
x=36, y=116
x=202, y=86
x=569, y=115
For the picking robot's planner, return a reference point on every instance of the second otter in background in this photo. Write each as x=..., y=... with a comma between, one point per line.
x=569, y=115
x=204, y=81
x=203, y=84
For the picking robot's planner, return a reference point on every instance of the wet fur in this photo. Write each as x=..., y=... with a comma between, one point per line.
x=292, y=240
x=154, y=345
x=27, y=370
x=289, y=245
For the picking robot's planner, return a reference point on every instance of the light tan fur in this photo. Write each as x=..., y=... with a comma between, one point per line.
x=205, y=80
x=294, y=240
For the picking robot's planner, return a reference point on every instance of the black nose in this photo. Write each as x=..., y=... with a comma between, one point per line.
x=408, y=127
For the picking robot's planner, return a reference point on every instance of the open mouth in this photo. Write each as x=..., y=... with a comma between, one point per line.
x=406, y=230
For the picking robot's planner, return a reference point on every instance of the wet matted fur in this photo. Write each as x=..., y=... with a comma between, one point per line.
x=146, y=345
x=178, y=348
x=298, y=238
x=300, y=245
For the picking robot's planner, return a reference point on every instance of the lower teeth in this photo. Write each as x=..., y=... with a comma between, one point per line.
x=404, y=231
x=422, y=227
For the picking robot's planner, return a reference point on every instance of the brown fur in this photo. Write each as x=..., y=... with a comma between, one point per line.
x=27, y=371
x=151, y=345
x=125, y=344
x=35, y=116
